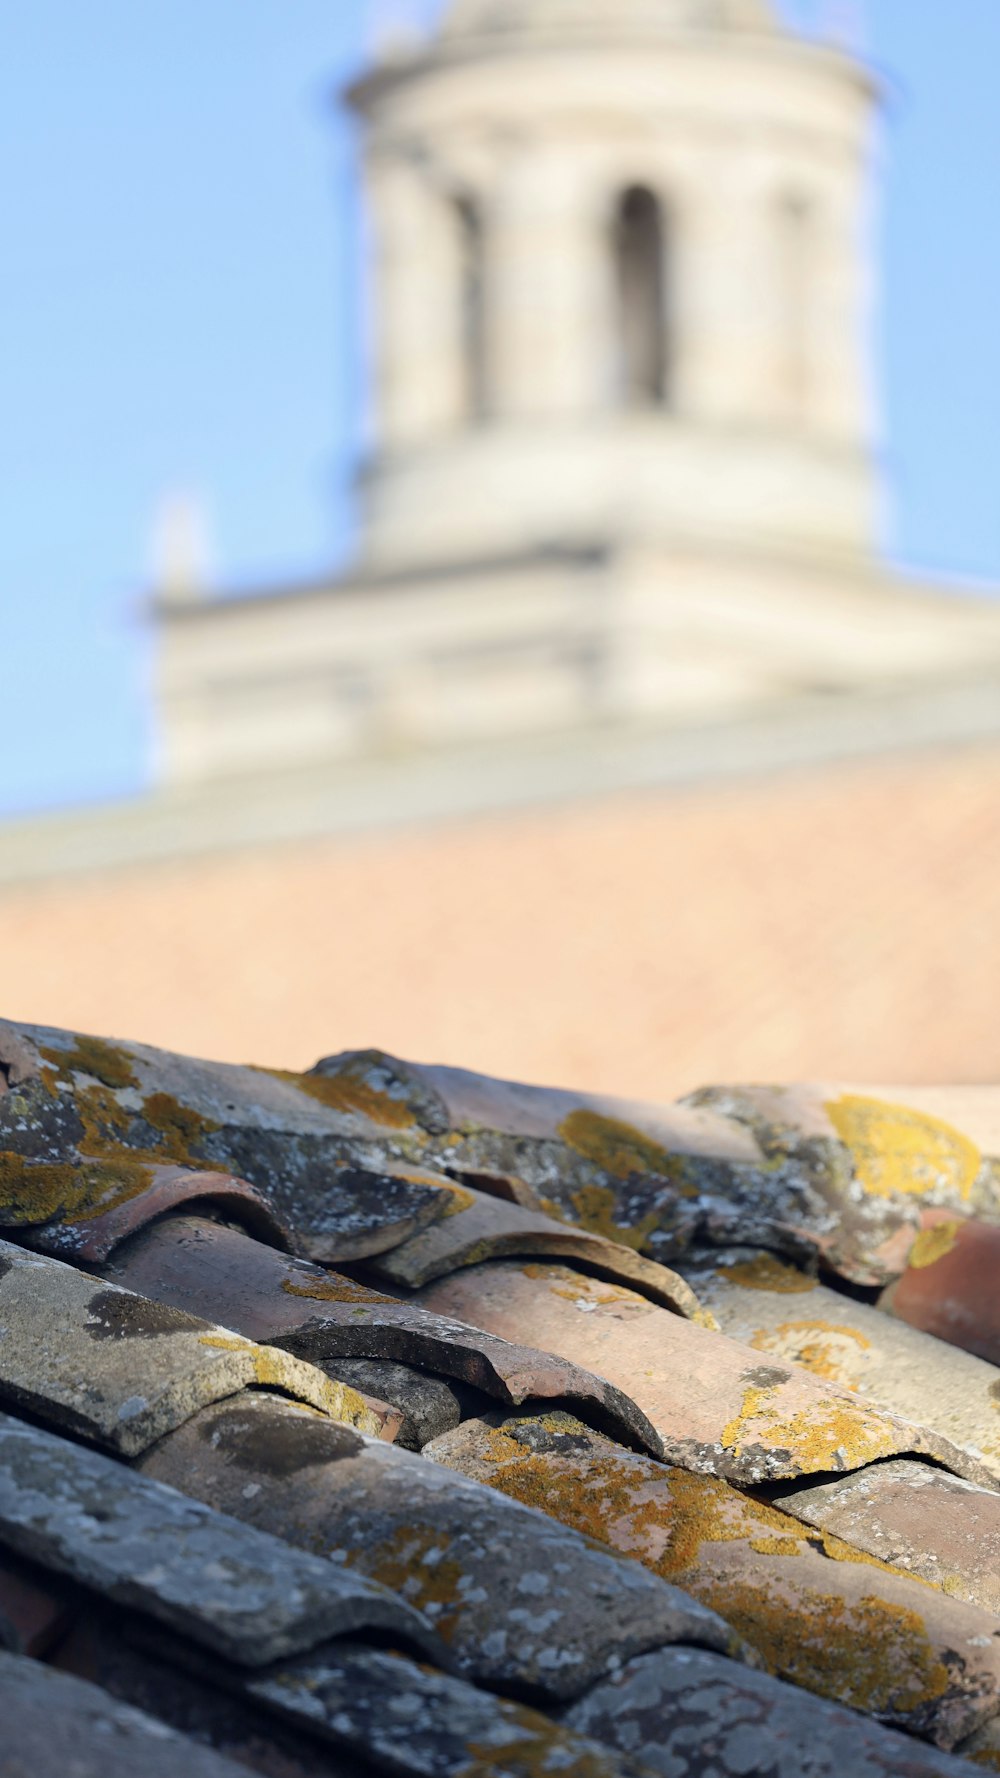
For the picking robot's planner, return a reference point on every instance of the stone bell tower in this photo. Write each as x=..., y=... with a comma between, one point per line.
x=621, y=486
x=621, y=277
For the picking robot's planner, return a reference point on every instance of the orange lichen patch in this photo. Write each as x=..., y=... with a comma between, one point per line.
x=415, y=1564
x=827, y=1348
x=832, y=1434
x=899, y=1151
x=616, y=1147
x=874, y=1656
x=109, y=1063
x=334, y=1290
x=661, y=1517
x=350, y=1093
x=933, y=1243
x=776, y=1546
x=579, y=1288
x=37, y=1191
x=106, y=1125
x=595, y=1208
x=767, y=1273
x=458, y=1197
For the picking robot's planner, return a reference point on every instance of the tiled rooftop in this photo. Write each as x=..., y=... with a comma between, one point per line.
x=389, y=1418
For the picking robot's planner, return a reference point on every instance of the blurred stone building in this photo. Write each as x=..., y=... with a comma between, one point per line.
x=619, y=756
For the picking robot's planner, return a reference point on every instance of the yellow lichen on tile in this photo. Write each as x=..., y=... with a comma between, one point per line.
x=37, y=1191
x=616, y=1147
x=334, y=1290
x=457, y=1197
x=542, y=1753
x=577, y=1287
x=335, y=1399
x=764, y=1272
x=660, y=1517
x=933, y=1243
x=829, y=1349
x=414, y=1562
x=595, y=1209
x=776, y=1546
x=179, y=1126
x=349, y=1093
x=900, y=1151
x=225, y=1342
x=832, y=1434
x=110, y=1063
x=875, y=1656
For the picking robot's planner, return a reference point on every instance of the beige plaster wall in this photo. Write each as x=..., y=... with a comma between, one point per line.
x=838, y=922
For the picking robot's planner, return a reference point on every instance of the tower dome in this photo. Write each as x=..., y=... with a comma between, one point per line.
x=475, y=18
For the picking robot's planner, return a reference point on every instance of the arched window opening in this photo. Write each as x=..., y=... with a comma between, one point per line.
x=472, y=309
x=641, y=249
x=795, y=246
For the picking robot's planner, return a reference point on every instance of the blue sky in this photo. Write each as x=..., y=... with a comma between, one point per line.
x=182, y=311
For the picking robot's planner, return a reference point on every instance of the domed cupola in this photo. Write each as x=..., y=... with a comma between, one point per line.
x=621, y=283
x=475, y=18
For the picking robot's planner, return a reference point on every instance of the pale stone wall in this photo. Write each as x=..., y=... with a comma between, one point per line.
x=633, y=637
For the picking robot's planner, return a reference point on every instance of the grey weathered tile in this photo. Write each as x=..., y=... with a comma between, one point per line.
x=520, y=1600
x=411, y=1720
x=687, y=1713
x=123, y=1370
x=247, y=1595
x=428, y=1405
x=88, y=1121
x=55, y=1723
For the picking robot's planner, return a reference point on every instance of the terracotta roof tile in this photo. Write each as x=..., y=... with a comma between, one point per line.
x=785, y=1313
x=716, y=1406
x=670, y=1502
x=325, y=1317
x=949, y=1287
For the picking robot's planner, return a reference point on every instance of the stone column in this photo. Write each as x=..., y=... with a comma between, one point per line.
x=725, y=298
x=546, y=297
x=841, y=377
x=416, y=287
